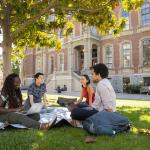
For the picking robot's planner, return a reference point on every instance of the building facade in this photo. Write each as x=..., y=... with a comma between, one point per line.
x=127, y=56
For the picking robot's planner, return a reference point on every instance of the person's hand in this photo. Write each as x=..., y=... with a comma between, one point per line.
x=77, y=102
x=88, y=108
x=19, y=109
x=109, y=110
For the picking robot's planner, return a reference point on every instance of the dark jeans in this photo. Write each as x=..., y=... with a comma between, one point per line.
x=30, y=121
x=82, y=104
x=82, y=113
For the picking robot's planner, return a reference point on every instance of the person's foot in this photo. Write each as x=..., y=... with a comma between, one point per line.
x=76, y=123
x=144, y=131
x=46, y=126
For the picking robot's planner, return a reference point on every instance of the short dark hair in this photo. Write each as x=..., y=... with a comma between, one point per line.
x=37, y=75
x=100, y=69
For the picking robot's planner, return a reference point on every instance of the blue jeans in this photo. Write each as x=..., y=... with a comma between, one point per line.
x=82, y=113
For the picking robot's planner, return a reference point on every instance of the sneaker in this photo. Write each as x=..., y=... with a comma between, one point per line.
x=76, y=123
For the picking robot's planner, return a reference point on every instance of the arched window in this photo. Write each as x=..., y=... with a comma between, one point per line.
x=125, y=14
x=145, y=14
x=126, y=52
x=108, y=56
x=146, y=52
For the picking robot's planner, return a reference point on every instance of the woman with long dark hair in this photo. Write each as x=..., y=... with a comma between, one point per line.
x=11, y=102
x=87, y=90
x=11, y=92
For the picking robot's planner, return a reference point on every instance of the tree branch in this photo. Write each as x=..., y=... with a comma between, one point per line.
x=93, y=11
x=55, y=5
x=22, y=26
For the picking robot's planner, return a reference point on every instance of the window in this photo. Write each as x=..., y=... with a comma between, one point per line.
x=51, y=65
x=126, y=51
x=38, y=64
x=125, y=14
x=94, y=57
x=108, y=56
x=145, y=14
x=146, y=52
x=93, y=30
x=146, y=81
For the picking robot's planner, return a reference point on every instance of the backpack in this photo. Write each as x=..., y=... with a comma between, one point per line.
x=62, y=101
x=106, y=123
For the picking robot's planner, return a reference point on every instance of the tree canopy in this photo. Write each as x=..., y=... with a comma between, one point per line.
x=39, y=22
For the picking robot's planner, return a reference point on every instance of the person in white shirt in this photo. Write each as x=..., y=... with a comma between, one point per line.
x=105, y=97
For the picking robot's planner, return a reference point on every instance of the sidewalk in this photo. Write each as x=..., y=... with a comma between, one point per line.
x=123, y=96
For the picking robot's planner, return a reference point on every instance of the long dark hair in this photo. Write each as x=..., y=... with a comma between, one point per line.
x=14, y=95
x=87, y=78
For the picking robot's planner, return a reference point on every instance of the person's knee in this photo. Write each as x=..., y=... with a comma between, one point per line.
x=75, y=114
x=35, y=116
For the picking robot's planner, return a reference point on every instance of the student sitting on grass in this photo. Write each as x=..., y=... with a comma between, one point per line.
x=37, y=91
x=11, y=103
x=105, y=97
x=87, y=92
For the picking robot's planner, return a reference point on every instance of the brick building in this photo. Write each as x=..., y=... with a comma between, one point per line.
x=127, y=57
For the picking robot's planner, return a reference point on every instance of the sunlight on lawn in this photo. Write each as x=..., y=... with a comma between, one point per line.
x=145, y=118
x=68, y=138
x=40, y=134
x=133, y=103
x=35, y=146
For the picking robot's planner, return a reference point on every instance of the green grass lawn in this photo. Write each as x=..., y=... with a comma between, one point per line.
x=69, y=138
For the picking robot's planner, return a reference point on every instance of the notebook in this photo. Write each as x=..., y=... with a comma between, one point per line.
x=35, y=108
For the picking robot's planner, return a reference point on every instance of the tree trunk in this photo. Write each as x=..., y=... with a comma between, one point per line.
x=7, y=41
x=6, y=59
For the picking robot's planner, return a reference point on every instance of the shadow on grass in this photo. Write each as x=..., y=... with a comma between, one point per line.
x=139, y=117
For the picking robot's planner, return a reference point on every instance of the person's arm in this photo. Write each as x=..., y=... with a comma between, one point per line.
x=2, y=109
x=45, y=101
x=44, y=98
x=31, y=99
x=90, y=94
x=44, y=95
x=80, y=99
x=30, y=94
x=106, y=98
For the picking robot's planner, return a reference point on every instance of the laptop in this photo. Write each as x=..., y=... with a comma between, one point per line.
x=35, y=108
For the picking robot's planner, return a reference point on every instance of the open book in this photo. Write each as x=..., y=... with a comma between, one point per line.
x=35, y=108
